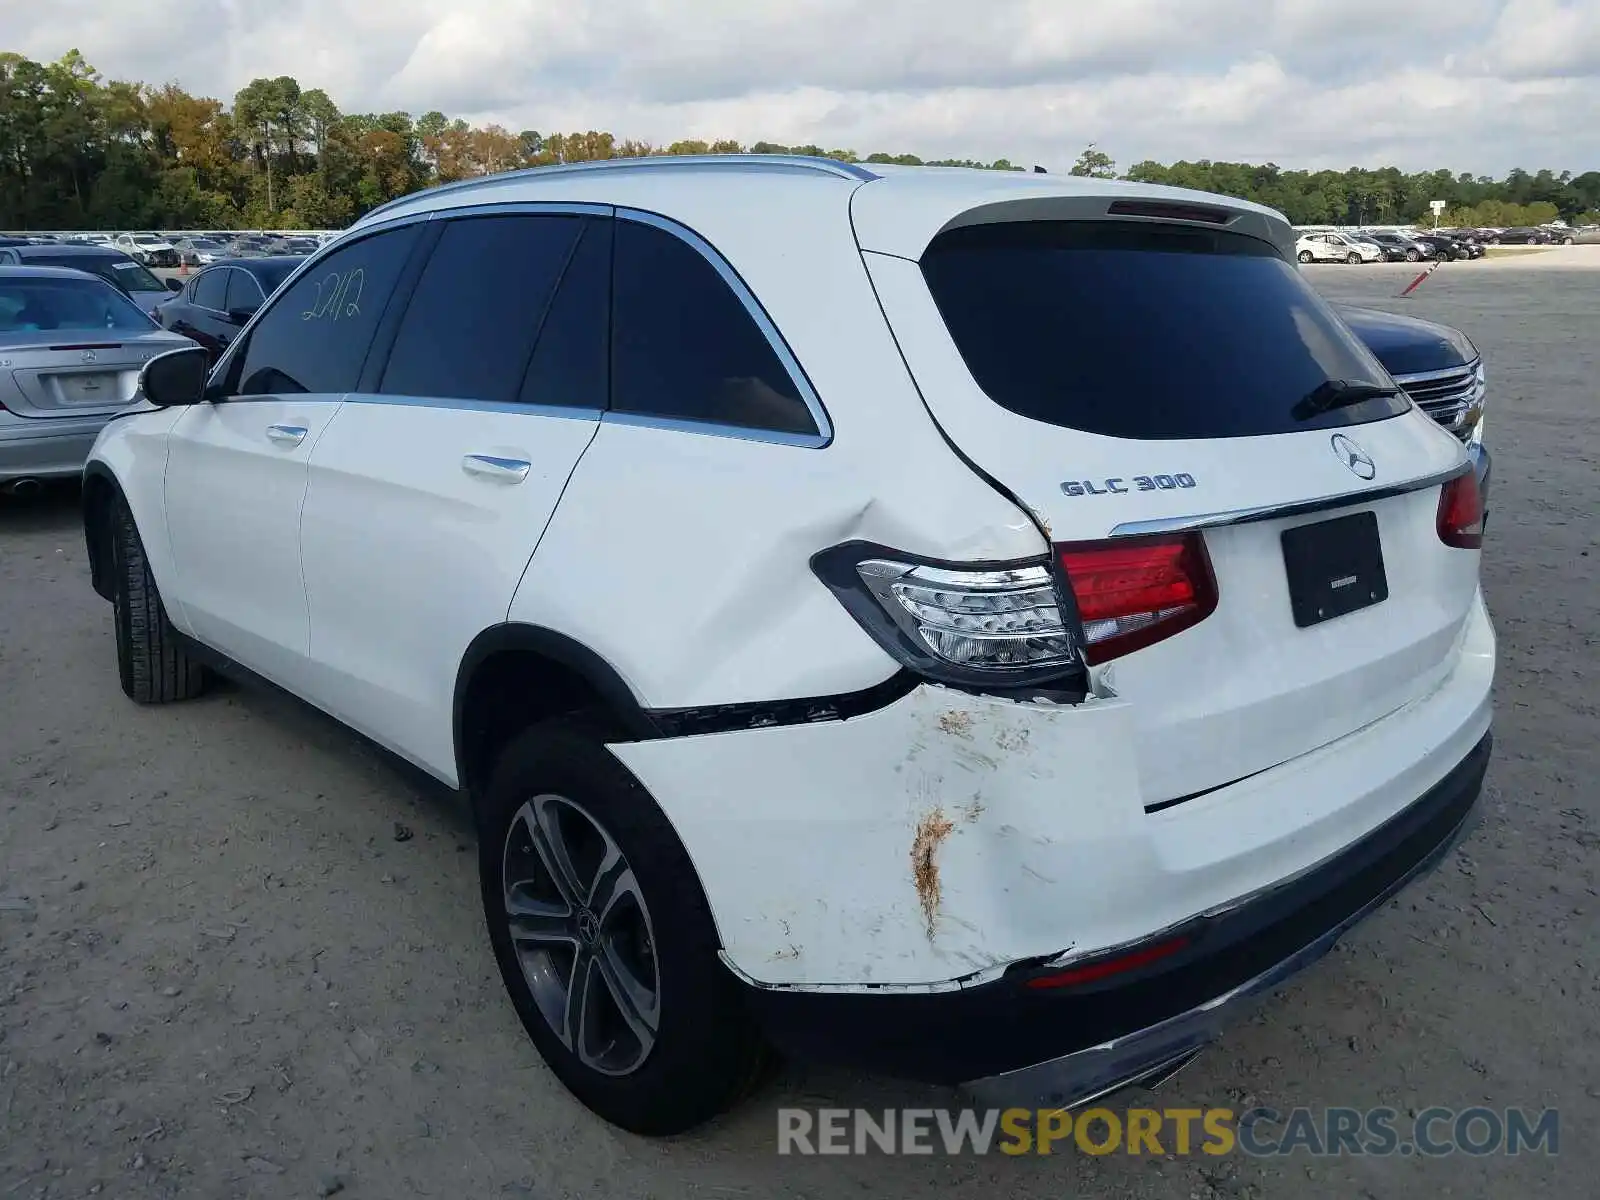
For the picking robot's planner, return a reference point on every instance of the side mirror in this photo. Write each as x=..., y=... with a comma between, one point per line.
x=176, y=378
x=241, y=316
x=174, y=285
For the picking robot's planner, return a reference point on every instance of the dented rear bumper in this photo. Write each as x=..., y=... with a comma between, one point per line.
x=932, y=843
x=1016, y=1045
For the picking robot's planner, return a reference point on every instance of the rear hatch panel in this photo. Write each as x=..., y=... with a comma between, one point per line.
x=1246, y=689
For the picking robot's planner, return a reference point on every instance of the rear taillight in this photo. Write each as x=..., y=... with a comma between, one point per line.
x=1132, y=592
x=1461, y=513
x=983, y=626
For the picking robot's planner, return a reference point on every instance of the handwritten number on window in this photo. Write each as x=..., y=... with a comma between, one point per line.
x=338, y=295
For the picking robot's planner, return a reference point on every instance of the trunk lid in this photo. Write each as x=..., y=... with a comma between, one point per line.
x=61, y=373
x=1125, y=379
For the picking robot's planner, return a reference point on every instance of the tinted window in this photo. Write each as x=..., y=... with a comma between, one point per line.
x=243, y=292
x=1144, y=331
x=683, y=344
x=469, y=329
x=569, y=366
x=211, y=289
x=315, y=337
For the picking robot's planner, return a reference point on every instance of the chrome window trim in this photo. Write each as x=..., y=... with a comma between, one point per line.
x=1295, y=508
x=808, y=395
x=465, y=404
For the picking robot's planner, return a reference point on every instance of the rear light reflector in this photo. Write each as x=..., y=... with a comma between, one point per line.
x=1106, y=967
x=1461, y=513
x=1133, y=592
x=89, y=346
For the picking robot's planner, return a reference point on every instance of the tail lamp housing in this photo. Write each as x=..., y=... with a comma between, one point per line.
x=1133, y=592
x=1032, y=625
x=1460, y=519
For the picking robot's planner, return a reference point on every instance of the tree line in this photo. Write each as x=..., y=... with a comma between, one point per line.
x=78, y=151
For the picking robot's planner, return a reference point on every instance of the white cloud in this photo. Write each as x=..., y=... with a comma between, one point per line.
x=1479, y=85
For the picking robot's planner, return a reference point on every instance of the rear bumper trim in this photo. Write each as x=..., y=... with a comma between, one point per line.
x=1085, y=1075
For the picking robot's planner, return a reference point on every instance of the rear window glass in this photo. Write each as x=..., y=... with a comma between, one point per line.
x=1144, y=331
x=68, y=305
x=120, y=272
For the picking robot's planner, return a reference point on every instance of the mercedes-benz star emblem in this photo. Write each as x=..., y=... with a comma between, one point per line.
x=1354, y=457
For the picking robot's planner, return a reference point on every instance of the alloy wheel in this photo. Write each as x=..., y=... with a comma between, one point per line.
x=582, y=935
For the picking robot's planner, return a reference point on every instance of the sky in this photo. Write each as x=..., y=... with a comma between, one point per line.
x=1470, y=85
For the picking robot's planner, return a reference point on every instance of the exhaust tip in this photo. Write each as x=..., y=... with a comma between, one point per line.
x=22, y=487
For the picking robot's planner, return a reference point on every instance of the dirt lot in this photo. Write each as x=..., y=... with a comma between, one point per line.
x=240, y=955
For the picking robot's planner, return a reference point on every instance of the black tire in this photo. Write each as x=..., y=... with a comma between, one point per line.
x=1353, y=259
x=707, y=1053
x=1413, y=255
x=152, y=663
x=1305, y=256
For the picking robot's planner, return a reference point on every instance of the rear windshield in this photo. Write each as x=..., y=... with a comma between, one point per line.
x=120, y=272
x=67, y=304
x=1144, y=331
x=270, y=272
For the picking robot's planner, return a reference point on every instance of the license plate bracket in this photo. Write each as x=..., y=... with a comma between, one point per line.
x=88, y=387
x=1334, y=568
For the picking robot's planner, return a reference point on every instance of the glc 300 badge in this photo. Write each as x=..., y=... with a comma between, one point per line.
x=1118, y=485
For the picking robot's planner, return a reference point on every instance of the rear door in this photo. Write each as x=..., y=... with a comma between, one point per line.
x=236, y=466
x=1154, y=385
x=433, y=485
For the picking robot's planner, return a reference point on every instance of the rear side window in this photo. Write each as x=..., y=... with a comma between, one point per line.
x=683, y=345
x=316, y=335
x=470, y=327
x=1144, y=331
x=243, y=291
x=211, y=289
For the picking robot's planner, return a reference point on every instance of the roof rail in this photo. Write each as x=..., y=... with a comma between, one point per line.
x=751, y=162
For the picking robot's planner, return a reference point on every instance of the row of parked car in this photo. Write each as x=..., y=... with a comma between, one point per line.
x=151, y=249
x=1356, y=246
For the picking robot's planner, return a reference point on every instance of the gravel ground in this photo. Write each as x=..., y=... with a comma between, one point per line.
x=240, y=954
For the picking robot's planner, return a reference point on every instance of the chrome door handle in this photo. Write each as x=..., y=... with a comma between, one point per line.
x=287, y=435
x=491, y=466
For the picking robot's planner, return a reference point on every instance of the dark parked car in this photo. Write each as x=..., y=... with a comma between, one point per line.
x=214, y=305
x=1441, y=247
x=1396, y=247
x=1438, y=367
x=110, y=264
x=1524, y=236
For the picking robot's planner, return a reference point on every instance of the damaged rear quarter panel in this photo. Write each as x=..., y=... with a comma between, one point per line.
x=943, y=835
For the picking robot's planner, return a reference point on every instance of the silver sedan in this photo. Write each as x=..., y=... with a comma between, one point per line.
x=71, y=347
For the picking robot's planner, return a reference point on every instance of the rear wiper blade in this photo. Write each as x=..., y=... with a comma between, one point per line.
x=1338, y=393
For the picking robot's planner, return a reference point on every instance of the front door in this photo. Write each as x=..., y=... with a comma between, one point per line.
x=236, y=467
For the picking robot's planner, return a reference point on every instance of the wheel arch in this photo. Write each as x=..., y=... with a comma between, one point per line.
x=513, y=674
x=101, y=491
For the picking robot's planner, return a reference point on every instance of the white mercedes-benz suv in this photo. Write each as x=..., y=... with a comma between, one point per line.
x=979, y=627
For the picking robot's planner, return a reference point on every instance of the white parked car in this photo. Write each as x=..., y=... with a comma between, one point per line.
x=980, y=627
x=1336, y=247
x=149, y=249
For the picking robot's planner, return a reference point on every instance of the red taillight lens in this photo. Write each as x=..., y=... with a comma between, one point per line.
x=1135, y=591
x=1461, y=513
x=1106, y=967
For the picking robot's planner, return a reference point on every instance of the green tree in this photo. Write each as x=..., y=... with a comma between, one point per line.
x=1094, y=163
